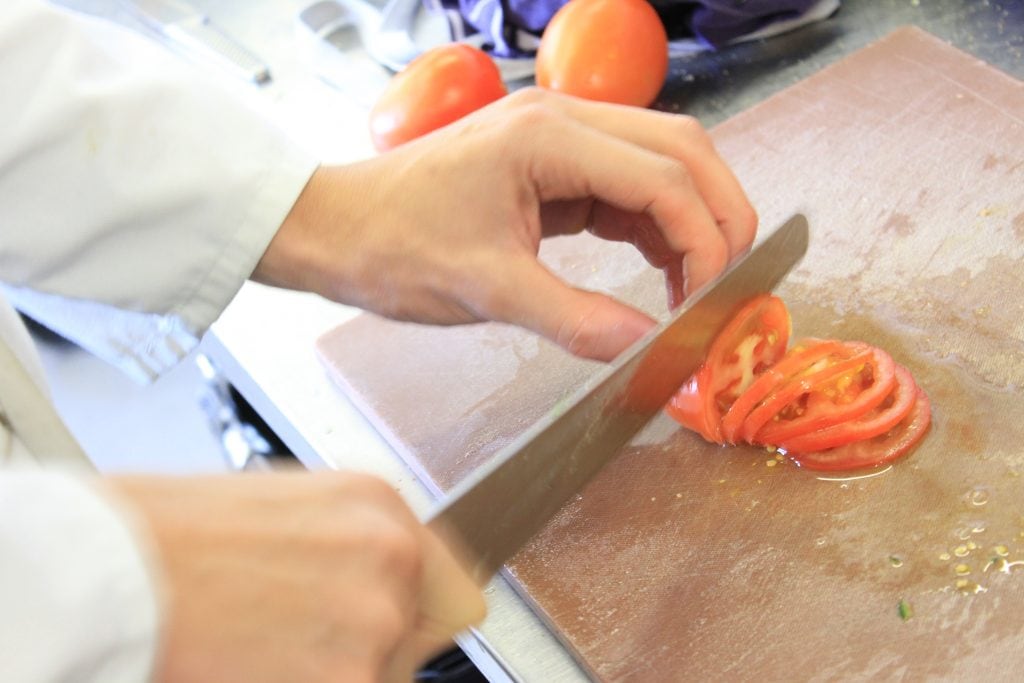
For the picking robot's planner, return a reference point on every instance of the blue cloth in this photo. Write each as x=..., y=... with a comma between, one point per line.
x=510, y=27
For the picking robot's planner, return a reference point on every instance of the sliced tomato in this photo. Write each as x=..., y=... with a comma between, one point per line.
x=803, y=355
x=845, y=391
x=847, y=356
x=878, y=421
x=754, y=340
x=687, y=406
x=877, y=450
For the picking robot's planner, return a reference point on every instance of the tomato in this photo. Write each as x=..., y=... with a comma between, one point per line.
x=799, y=358
x=753, y=340
x=878, y=421
x=876, y=450
x=827, y=404
x=843, y=390
x=606, y=50
x=440, y=86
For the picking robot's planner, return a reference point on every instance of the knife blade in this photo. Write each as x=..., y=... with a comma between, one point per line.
x=495, y=510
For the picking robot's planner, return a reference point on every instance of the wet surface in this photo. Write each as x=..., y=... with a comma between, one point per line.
x=687, y=560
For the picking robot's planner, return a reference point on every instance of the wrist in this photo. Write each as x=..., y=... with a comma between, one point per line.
x=313, y=249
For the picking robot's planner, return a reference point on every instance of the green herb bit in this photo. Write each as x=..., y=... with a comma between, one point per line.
x=905, y=610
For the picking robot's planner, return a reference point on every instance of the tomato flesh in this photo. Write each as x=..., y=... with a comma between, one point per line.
x=878, y=421
x=827, y=404
x=798, y=358
x=843, y=392
x=753, y=340
x=877, y=450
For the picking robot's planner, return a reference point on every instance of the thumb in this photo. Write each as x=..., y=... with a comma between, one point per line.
x=585, y=323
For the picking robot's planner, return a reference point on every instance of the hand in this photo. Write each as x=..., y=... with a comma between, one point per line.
x=446, y=229
x=297, y=577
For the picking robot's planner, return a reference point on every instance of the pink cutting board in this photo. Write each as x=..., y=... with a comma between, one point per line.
x=683, y=560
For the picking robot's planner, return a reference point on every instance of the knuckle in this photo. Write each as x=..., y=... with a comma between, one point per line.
x=577, y=335
x=674, y=173
x=747, y=225
x=528, y=118
x=377, y=488
x=389, y=624
x=531, y=95
x=399, y=549
x=716, y=252
x=356, y=673
x=689, y=128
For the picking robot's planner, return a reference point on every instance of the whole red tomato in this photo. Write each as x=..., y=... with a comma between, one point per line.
x=607, y=50
x=438, y=87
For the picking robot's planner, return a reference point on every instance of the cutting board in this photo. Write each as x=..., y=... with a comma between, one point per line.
x=683, y=560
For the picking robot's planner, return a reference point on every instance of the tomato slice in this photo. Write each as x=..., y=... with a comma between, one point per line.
x=849, y=355
x=878, y=421
x=843, y=392
x=687, y=407
x=877, y=450
x=803, y=355
x=753, y=340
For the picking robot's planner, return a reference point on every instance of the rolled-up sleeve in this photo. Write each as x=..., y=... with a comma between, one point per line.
x=136, y=194
x=79, y=600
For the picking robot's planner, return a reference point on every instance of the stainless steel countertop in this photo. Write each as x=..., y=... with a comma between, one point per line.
x=264, y=341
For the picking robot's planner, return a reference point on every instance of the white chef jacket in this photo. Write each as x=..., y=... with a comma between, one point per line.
x=135, y=198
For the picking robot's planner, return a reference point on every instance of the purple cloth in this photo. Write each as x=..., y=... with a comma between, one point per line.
x=507, y=25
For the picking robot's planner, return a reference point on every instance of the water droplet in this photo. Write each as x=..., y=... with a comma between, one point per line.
x=1002, y=550
x=969, y=587
x=961, y=551
x=895, y=561
x=944, y=557
x=962, y=570
x=978, y=496
x=820, y=541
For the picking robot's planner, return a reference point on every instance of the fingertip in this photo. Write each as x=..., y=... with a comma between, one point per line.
x=702, y=266
x=741, y=229
x=674, y=283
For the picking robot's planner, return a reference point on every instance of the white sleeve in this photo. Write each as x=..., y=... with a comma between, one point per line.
x=78, y=601
x=136, y=193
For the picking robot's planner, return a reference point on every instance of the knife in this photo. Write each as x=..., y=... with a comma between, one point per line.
x=497, y=508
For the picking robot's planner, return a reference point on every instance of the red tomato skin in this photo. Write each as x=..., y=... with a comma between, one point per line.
x=884, y=372
x=878, y=450
x=605, y=50
x=687, y=407
x=696, y=404
x=873, y=424
x=804, y=354
x=440, y=86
